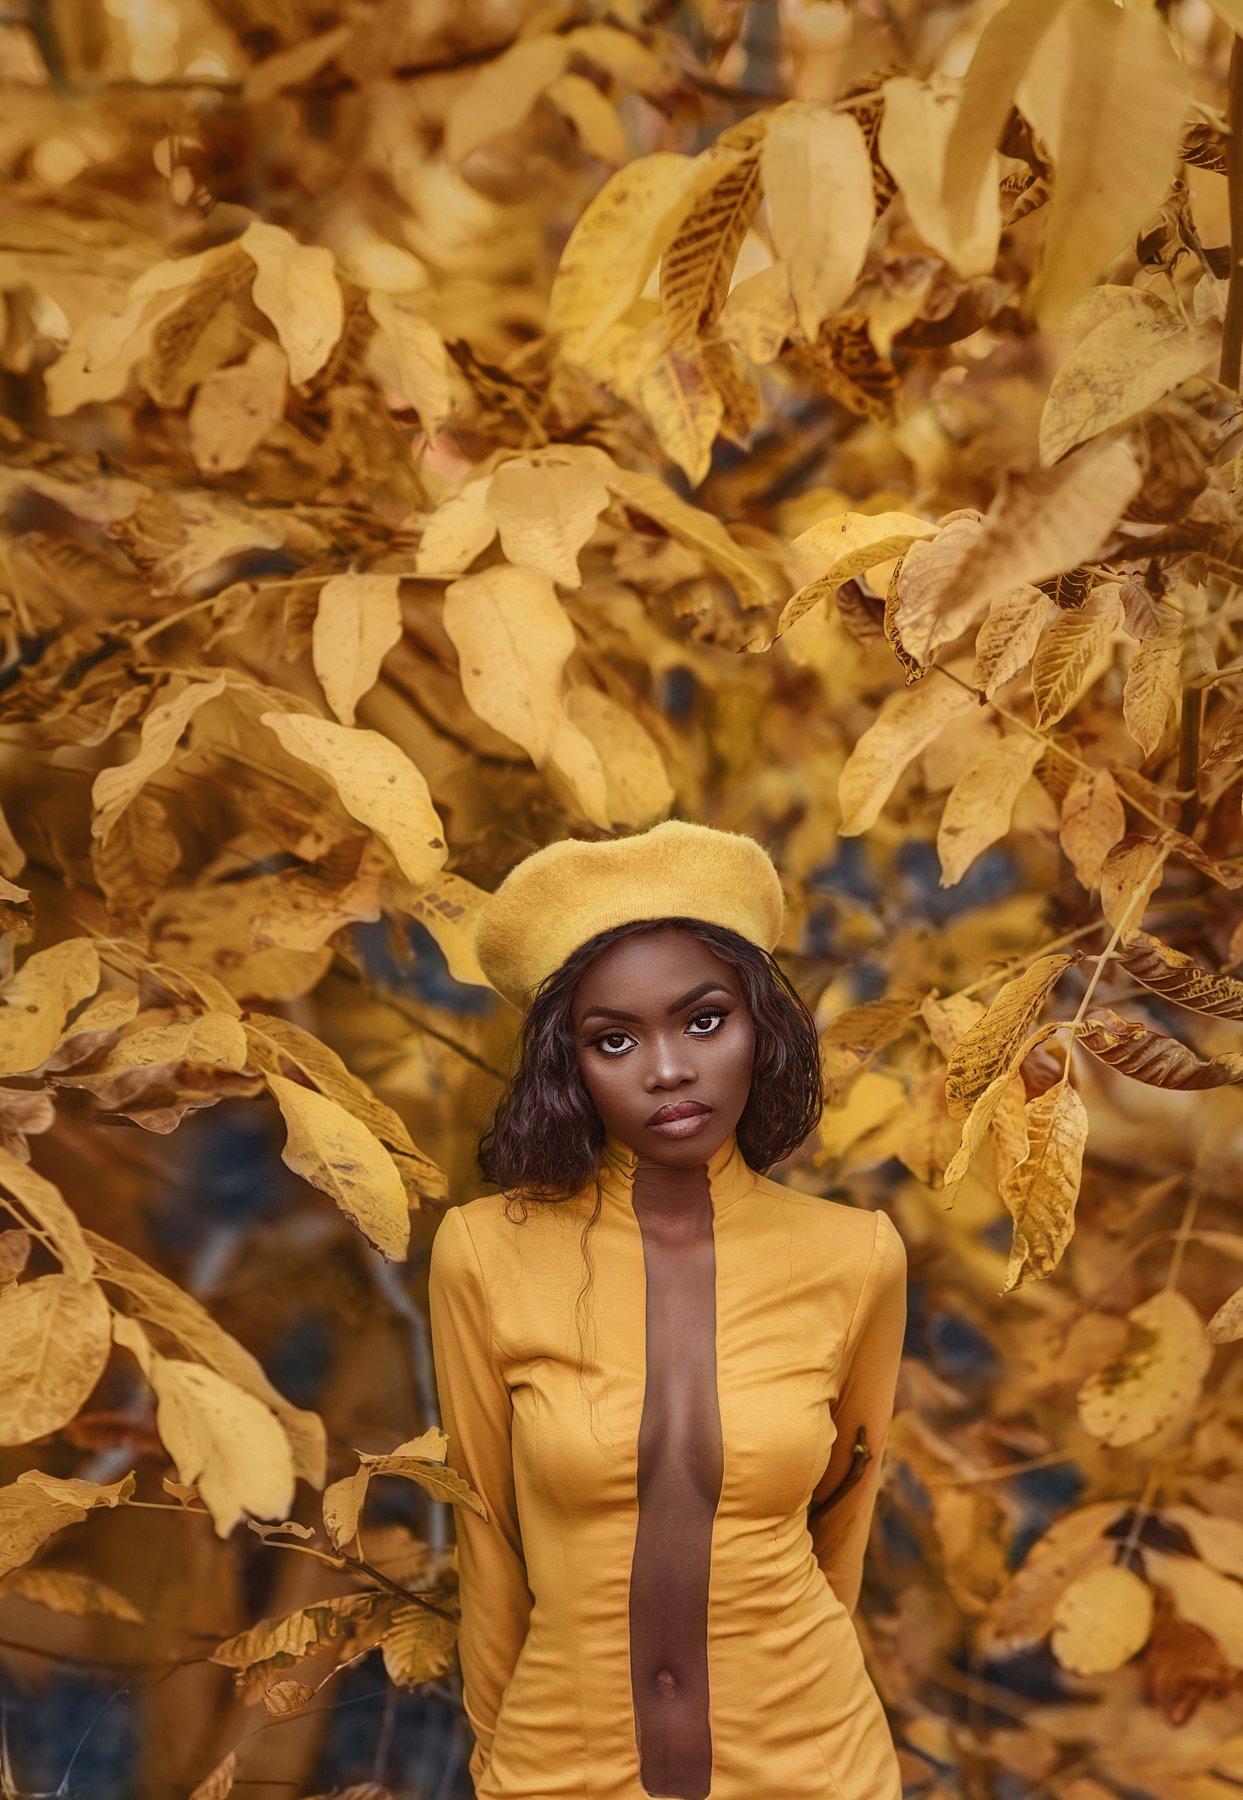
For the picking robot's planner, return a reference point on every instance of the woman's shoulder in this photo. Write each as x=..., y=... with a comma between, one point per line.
x=856, y=1228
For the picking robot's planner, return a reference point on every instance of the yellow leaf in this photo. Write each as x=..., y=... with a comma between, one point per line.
x=546, y=505
x=1134, y=355
x=296, y=287
x=502, y=94
x=447, y=907
x=684, y=407
x=1108, y=93
x=1153, y=686
x=844, y=545
x=219, y=1784
x=458, y=531
x=1130, y=875
x=223, y=1441
x=987, y=1107
x=36, y=1505
x=337, y=1153
x=1041, y=1191
x=41, y=1206
x=637, y=783
x=154, y=1297
x=1093, y=819
x=1156, y=1380
x=162, y=727
x=1075, y=651
x=513, y=639
x=236, y=407
x=376, y=783
x=419, y=353
x=38, y=999
x=914, y=131
x=286, y=1697
x=614, y=246
x=63, y=1590
x=1005, y=48
x=986, y=1047
x=754, y=583
x=418, y=1645
x=1008, y=635
x=1202, y=1596
x=1101, y=1621
x=54, y=1342
x=576, y=773
x=818, y=184
x=907, y=722
x=981, y=802
x=758, y=314
x=695, y=270
x=1042, y=524
x=592, y=115
x=357, y=622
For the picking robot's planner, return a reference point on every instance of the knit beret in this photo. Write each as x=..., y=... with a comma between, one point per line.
x=557, y=898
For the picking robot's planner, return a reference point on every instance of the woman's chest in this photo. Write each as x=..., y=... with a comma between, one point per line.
x=733, y=1357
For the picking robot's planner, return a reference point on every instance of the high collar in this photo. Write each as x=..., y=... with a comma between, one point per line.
x=729, y=1175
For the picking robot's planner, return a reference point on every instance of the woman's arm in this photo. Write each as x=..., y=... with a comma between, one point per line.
x=476, y=1413
x=870, y=1363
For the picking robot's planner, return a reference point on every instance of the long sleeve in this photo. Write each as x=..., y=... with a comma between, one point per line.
x=870, y=1363
x=476, y=1413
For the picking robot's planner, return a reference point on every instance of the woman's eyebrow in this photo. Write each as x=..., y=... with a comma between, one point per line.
x=695, y=993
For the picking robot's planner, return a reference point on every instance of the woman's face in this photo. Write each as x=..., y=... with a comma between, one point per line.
x=660, y=1024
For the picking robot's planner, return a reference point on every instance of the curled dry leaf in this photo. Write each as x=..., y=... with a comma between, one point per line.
x=991, y=1041
x=1135, y=1049
x=1041, y=1190
x=285, y=1697
x=1180, y=978
x=35, y=1506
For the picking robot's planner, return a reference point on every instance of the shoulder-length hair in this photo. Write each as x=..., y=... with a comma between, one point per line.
x=545, y=1136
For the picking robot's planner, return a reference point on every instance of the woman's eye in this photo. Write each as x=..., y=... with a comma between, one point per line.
x=614, y=1043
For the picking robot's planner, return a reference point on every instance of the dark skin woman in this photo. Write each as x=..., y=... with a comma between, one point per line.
x=665, y=1045
x=670, y=1037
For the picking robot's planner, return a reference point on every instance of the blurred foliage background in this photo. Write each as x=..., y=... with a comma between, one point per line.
x=433, y=429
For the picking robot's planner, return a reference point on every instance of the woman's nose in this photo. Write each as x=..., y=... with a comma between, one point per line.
x=670, y=1064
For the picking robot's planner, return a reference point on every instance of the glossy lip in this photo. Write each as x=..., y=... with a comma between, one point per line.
x=684, y=1127
x=678, y=1109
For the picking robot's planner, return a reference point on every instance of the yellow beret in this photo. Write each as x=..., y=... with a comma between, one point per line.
x=558, y=897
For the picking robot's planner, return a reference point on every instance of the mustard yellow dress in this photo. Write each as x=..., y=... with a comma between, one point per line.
x=810, y=1319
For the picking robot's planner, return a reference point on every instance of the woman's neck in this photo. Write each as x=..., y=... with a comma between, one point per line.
x=672, y=1199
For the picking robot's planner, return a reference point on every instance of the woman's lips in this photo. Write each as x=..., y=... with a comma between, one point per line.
x=685, y=1122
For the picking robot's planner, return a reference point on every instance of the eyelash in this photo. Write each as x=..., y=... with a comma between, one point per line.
x=710, y=1012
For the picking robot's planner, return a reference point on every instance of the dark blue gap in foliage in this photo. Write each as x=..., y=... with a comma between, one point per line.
x=992, y=876
x=962, y=1351
x=427, y=978
x=45, y=1726
x=301, y=1362
x=428, y=1741
x=847, y=871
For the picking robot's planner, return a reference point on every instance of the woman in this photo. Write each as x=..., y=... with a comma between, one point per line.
x=659, y=1600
